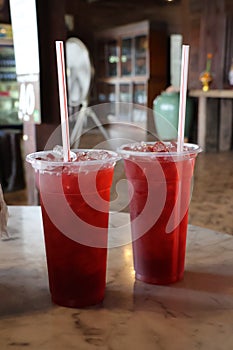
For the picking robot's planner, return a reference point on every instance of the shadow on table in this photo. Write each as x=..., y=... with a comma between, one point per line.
x=21, y=295
x=197, y=292
x=208, y=282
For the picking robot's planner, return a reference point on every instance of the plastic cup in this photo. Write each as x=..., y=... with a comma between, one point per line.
x=160, y=188
x=74, y=199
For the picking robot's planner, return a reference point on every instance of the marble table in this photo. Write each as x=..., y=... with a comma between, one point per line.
x=196, y=313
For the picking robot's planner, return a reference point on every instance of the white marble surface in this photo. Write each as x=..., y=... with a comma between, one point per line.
x=196, y=313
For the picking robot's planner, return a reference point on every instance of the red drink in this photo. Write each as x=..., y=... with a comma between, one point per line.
x=161, y=182
x=75, y=207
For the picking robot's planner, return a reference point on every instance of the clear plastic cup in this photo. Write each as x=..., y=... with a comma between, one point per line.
x=74, y=199
x=160, y=195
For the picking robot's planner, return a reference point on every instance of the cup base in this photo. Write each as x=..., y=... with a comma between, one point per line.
x=159, y=281
x=72, y=303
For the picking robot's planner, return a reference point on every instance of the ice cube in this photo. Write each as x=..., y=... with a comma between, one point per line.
x=58, y=150
x=159, y=146
x=59, y=154
x=92, y=155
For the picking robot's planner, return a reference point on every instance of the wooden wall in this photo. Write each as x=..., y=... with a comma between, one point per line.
x=5, y=12
x=91, y=17
x=201, y=22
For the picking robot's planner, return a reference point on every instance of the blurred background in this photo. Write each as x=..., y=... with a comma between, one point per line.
x=124, y=56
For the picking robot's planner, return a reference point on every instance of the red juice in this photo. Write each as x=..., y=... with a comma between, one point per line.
x=159, y=212
x=75, y=210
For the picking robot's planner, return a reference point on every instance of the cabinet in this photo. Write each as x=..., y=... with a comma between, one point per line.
x=9, y=88
x=131, y=68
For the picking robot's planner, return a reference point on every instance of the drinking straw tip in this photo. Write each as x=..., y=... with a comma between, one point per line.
x=63, y=100
x=183, y=96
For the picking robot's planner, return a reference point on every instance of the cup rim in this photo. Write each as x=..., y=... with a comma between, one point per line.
x=193, y=149
x=42, y=163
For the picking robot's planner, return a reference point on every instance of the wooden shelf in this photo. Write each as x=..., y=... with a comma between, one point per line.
x=212, y=93
x=215, y=119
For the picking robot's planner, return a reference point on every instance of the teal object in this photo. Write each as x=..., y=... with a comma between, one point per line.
x=166, y=115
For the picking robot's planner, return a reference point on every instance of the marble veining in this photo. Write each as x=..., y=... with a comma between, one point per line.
x=196, y=313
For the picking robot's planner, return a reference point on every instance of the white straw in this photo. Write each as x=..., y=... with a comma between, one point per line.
x=63, y=100
x=183, y=96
